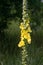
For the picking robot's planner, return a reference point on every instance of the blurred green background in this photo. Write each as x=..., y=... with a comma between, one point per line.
x=10, y=19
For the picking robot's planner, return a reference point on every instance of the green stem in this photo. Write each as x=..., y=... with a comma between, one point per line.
x=24, y=50
x=24, y=56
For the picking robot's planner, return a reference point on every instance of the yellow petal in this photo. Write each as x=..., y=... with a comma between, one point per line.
x=29, y=41
x=29, y=29
x=22, y=38
x=21, y=43
x=21, y=26
x=27, y=35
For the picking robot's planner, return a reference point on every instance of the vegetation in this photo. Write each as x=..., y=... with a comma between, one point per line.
x=10, y=19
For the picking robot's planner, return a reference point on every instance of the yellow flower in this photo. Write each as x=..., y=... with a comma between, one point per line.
x=21, y=26
x=26, y=35
x=27, y=24
x=29, y=29
x=23, y=32
x=21, y=43
x=22, y=38
x=29, y=41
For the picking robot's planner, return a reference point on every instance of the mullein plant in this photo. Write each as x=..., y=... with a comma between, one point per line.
x=25, y=32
